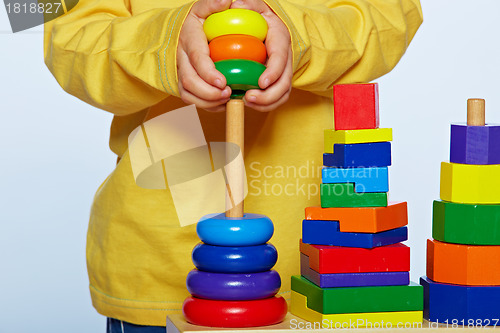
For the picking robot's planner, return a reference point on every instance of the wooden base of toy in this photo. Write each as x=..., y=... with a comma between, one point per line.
x=293, y=324
x=178, y=324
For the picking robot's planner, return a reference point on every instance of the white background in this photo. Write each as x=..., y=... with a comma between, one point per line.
x=54, y=153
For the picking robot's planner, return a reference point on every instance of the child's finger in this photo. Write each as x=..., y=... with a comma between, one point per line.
x=193, y=83
x=275, y=92
x=220, y=108
x=270, y=107
x=268, y=97
x=198, y=99
x=205, y=68
x=258, y=6
x=199, y=57
x=275, y=68
x=189, y=98
x=278, y=48
x=204, y=8
x=194, y=43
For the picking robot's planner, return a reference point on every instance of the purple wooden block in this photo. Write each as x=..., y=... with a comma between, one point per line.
x=352, y=279
x=475, y=144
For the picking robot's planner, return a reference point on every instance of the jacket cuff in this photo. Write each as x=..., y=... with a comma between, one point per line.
x=299, y=48
x=167, y=53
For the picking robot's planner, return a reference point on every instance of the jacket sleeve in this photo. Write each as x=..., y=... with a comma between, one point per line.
x=346, y=41
x=114, y=55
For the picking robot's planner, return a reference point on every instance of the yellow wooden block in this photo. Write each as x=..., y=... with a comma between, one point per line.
x=355, y=136
x=403, y=319
x=468, y=183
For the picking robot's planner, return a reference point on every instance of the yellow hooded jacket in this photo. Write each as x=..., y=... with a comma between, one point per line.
x=120, y=56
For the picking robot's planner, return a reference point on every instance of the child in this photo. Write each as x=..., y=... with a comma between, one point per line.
x=139, y=59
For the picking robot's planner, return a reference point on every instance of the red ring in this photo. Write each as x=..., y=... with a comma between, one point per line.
x=213, y=313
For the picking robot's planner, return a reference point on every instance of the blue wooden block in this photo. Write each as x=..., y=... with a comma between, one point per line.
x=364, y=179
x=359, y=155
x=445, y=303
x=328, y=233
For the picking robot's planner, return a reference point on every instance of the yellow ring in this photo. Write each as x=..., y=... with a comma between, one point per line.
x=235, y=21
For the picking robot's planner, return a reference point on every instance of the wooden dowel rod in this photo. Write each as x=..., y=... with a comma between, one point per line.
x=475, y=112
x=235, y=133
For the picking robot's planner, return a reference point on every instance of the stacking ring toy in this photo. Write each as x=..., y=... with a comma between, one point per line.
x=226, y=259
x=251, y=229
x=235, y=21
x=237, y=47
x=262, y=312
x=241, y=75
x=233, y=287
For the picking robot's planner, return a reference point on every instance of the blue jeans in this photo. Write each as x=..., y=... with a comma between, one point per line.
x=118, y=326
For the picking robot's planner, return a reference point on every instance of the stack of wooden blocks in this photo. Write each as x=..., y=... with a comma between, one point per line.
x=462, y=286
x=354, y=269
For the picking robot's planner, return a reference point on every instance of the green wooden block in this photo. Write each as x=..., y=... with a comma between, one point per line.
x=343, y=195
x=360, y=299
x=466, y=223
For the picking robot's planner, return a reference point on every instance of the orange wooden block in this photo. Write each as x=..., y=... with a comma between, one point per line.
x=471, y=265
x=363, y=219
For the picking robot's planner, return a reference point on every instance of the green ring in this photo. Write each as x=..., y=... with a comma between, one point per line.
x=241, y=75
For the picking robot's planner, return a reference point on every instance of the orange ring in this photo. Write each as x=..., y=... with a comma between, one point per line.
x=237, y=47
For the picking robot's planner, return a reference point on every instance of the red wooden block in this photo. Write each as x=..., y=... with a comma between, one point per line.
x=212, y=313
x=355, y=106
x=337, y=259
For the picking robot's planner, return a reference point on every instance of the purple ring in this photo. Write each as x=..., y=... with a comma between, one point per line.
x=233, y=287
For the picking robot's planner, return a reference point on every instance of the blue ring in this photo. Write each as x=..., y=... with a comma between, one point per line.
x=226, y=259
x=233, y=287
x=251, y=229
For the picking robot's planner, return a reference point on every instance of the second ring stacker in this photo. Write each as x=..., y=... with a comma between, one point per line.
x=233, y=284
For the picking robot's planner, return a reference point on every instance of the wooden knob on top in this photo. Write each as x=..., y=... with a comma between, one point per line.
x=475, y=112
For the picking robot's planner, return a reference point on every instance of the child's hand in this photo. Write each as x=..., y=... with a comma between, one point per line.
x=277, y=78
x=199, y=82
